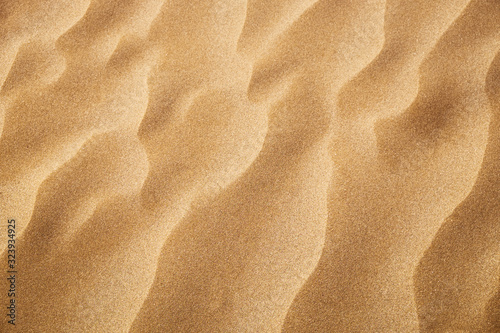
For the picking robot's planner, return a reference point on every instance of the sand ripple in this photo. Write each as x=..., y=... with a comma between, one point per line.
x=251, y=166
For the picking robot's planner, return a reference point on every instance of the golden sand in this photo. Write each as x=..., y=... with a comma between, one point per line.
x=250, y=166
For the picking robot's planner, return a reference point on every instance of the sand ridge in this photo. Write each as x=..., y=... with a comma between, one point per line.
x=251, y=166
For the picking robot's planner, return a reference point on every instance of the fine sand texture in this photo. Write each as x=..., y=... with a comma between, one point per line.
x=253, y=166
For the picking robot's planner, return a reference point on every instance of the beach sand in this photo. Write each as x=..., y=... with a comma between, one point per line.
x=250, y=166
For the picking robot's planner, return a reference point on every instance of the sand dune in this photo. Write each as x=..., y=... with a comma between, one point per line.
x=250, y=166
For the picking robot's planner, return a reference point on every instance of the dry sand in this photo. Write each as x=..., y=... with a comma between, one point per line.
x=250, y=166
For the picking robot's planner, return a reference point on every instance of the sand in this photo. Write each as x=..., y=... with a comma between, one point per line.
x=250, y=166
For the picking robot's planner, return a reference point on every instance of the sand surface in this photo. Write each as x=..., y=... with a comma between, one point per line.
x=250, y=166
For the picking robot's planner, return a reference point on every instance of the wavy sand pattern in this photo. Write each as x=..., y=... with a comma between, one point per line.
x=251, y=166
